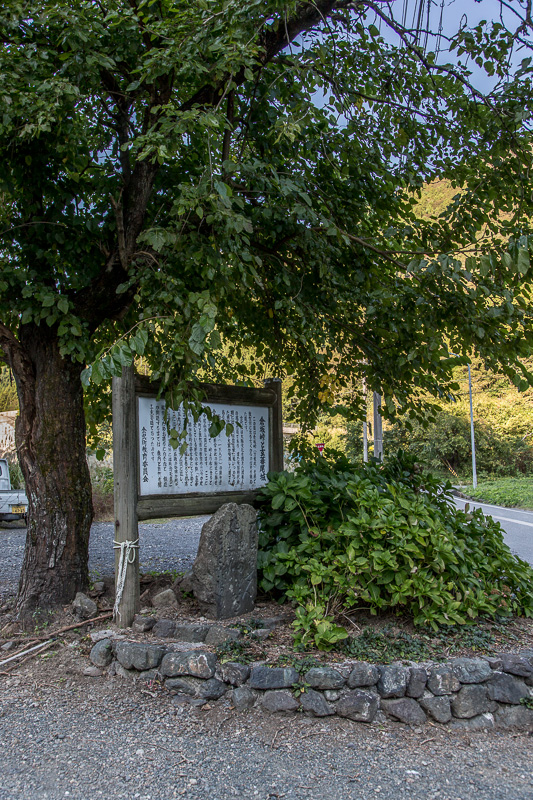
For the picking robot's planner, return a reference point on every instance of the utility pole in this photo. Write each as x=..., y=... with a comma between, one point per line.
x=472, y=439
x=365, y=426
x=378, y=428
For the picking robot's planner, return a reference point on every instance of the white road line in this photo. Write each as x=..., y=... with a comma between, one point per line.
x=516, y=521
x=504, y=519
x=488, y=505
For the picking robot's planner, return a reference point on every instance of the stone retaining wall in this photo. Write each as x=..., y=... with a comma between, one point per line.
x=464, y=693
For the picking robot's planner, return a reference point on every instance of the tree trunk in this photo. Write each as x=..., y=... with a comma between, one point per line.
x=50, y=436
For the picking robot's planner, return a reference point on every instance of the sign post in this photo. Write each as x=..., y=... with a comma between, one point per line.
x=126, y=542
x=154, y=480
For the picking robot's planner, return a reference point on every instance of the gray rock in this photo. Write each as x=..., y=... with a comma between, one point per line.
x=218, y=634
x=99, y=587
x=261, y=633
x=165, y=599
x=188, y=700
x=279, y=700
x=164, y=629
x=363, y=674
x=122, y=672
x=442, y=680
x=505, y=688
x=149, y=675
x=97, y=636
x=234, y=673
x=331, y=695
x=359, y=705
x=143, y=624
x=184, y=685
x=212, y=689
x=404, y=709
x=480, y=723
x=243, y=698
x=135, y=655
x=274, y=622
x=273, y=677
x=516, y=665
x=185, y=583
x=315, y=703
x=471, y=701
x=83, y=607
x=225, y=570
x=102, y=653
x=494, y=662
x=190, y=632
x=437, y=707
x=471, y=670
x=92, y=672
x=197, y=663
x=418, y=677
x=8, y=646
x=393, y=681
x=324, y=678
x=514, y=717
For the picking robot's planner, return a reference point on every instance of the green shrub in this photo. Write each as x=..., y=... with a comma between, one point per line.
x=335, y=538
x=446, y=445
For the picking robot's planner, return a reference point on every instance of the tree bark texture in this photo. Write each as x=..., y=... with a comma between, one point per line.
x=50, y=437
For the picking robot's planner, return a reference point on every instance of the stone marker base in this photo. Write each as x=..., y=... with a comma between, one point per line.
x=224, y=574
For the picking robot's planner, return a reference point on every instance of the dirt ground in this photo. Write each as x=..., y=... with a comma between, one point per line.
x=380, y=639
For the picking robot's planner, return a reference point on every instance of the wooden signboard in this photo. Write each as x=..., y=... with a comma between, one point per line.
x=154, y=480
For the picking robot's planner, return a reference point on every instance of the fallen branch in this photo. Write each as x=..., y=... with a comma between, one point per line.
x=43, y=647
x=21, y=649
x=78, y=625
x=21, y=653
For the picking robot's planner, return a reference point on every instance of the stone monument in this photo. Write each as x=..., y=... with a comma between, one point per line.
x=224, y=574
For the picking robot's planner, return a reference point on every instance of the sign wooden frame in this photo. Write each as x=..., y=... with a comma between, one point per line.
x=130, y=507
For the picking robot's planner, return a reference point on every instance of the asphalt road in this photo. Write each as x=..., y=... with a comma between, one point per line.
x=517, y=524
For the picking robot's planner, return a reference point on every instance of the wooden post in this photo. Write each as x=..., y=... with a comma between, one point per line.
x=276, y=426
x=125, y=458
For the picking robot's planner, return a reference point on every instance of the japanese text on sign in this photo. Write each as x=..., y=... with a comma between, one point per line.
x=221, y=464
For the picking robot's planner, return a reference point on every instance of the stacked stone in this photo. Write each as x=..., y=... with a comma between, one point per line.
x=464, y=693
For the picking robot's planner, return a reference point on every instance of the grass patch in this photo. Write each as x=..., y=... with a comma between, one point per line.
x=509, y=492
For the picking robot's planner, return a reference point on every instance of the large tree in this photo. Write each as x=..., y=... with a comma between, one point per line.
x=180, y=175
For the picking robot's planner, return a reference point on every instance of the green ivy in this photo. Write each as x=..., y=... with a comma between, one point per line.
x=335, y=537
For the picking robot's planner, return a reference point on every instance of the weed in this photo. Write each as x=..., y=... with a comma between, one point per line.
x=243, y=650
x=301, y=665
x=247, y=628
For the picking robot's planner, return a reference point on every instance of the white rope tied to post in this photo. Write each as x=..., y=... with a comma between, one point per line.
x=127, y=556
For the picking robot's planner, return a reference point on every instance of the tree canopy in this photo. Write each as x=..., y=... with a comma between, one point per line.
x=181, y=176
